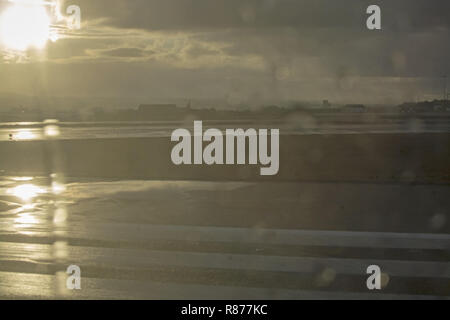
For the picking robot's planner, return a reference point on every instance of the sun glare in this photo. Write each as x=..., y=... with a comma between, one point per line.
x=24, y=135
x=24, y=26
x=26, y=192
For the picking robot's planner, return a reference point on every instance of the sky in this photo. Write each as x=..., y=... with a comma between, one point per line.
x=243, y=52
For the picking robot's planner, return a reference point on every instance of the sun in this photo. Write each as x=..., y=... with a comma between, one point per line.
x=24, y=26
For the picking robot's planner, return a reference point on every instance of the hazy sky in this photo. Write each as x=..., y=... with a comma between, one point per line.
x=241, y=51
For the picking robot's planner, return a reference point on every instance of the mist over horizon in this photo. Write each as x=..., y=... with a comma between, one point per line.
x=10, y=100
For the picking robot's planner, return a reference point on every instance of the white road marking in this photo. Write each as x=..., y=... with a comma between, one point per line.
x=111, y=231
x=42, y=287
x=141, y=259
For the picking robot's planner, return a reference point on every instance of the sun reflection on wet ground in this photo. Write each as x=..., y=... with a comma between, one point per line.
x=26, y=192
x=26, y=219
x=25, y=134
x=22, y=179
x=35, y=207
x=25, y=200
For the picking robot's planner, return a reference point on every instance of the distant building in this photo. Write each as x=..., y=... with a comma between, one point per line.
x=425, y=106
x=158, y=111
x=326, y=104
x=157, y=108
x=355, y=108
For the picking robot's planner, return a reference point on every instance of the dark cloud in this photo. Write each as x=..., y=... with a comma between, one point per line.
x=126, y=52
x=408, y=15
x=413, y=41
